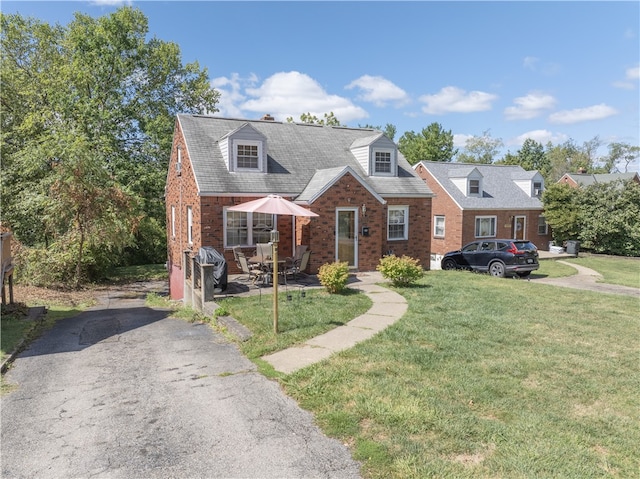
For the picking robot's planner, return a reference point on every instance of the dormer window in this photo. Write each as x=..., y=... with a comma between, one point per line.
x=247, y=155
x=474, y=187
x=383, y=162
x=537, y=188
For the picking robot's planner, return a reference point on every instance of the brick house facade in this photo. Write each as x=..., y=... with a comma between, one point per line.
x=330, y=170
x=506, y=200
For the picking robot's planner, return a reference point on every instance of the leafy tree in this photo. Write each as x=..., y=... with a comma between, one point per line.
x=389, y=130
x=620, y=153
x=88, y=112
x=530, y=157
x=329, y=119
x=433, y=143
x=561, y=210
x=610, y=220
x=480, y=149
x=564, y=158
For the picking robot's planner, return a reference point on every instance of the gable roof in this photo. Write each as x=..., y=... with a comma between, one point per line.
x=499, y=190
x=324, y=179
x=295, y=153
x=586, y=179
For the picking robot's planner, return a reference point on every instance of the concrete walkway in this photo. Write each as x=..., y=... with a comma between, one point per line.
x=588, y=280
x=388, y=307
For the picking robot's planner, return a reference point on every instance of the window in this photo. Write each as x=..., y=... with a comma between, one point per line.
x=398, y=228
x=248, y=155
x=543, y=227
x=173, y=221
x=474, y=187
x=438, y=226
x=238, y=233
x=485, y=226
x=189, y=225
x=382, y=162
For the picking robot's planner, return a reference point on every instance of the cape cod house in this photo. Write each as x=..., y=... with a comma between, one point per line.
x=587, y=179
x=369, y=200
x=483, y=201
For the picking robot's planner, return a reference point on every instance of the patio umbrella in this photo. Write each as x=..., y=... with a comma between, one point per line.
x=275, y=205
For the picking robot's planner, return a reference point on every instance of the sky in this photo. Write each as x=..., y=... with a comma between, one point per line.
x=548, y=70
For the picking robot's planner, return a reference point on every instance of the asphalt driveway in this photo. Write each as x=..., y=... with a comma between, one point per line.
x=125, y=391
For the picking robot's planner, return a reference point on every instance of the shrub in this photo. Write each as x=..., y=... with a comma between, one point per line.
x=334, y=276
x=401, y=271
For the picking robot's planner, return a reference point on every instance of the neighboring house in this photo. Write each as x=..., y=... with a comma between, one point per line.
x=369, y=200
x=483, y=201
x=585, y=179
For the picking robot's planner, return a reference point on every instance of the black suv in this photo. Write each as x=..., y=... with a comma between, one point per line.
x=500, y=257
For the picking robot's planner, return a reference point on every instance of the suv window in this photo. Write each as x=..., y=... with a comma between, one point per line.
x=502, y=246
x=470, y=247
x=525, y=246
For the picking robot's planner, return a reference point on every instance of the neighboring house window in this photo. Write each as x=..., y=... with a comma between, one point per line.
x=438, y=226
x=474, y=187
x=398, y=228
x=238, y=233
x=382, y=162
x=247, y=155
x=173, y=221
x=543, y=227
x=537, y=188
x=189, y=225
x=485, y=226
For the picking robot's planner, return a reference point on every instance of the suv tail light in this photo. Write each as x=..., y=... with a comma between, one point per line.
x=512, y=249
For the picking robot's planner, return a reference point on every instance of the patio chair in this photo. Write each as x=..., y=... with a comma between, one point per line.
x=297, y=255
x=236, y=251
x=254, y=272
x=263, y=250
x=298, y=266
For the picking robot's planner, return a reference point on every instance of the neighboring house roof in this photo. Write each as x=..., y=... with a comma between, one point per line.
x=499, y=190
x=586, y=179
x=296, y=153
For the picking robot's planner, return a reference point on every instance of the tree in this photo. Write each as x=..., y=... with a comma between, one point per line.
x=561, y=211
x=480, y=149
x=530, y=157
x=389, y=130
x=610, y=217
x=328, y=120
x=433, y=143
x=88, y=112
x=620, y=153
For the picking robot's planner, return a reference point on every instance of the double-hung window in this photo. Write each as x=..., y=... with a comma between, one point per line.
x=248, y=155
x=244, y=229
x=382, y=161
x=543, y=227
x=485, y=226
x=474, y=187
x=438, y=226
x=173, y=221
x=398, y=223
x=189, y=225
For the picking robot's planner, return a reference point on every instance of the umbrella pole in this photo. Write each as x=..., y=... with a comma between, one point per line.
x=275, y=287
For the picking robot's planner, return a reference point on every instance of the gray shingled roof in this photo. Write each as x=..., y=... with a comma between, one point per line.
x=295, y=153
x=584, y=179
x=499, y=189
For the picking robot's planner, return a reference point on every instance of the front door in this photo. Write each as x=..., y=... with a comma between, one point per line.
x=519, y=227
x=347, y=236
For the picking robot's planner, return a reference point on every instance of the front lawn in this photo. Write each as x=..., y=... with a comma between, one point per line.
x=614, y=269
x=487, y=377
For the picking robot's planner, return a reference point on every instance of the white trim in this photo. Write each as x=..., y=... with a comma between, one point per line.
x=393, y=164
x=189, y=225
x=435, y=226
x=250, y=226
x=240, y=142
x=524, y=227
x=173, y=221
x=405, y=209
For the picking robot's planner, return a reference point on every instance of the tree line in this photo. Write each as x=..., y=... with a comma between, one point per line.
x=87, y=114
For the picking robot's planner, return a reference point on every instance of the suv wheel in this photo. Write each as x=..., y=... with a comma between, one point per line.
x=496, y=269
x=449, y=264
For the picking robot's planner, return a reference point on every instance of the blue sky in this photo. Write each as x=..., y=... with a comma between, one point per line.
x=550, y=71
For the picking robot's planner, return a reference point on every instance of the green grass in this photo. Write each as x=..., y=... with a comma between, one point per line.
x=298, y=320
x=615, y=270
x=487, y=378
x=550, y=268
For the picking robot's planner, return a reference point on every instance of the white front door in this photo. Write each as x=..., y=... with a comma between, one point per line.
x=347, y=236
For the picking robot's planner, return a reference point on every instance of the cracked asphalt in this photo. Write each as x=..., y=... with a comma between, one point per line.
x=125, y=391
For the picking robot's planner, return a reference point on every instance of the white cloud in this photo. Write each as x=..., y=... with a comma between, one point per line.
x=379, y=91
x=460, y=140
x=231, y=96
x=529, y=106
x=289, y=94
x=530, y=63
x=541, y=136
x=632, y=75
x=453, y=99
x=595, y=112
